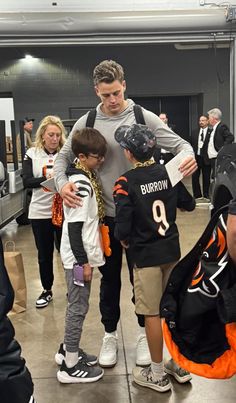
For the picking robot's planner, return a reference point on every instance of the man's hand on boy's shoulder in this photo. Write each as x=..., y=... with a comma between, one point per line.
x=69, y=197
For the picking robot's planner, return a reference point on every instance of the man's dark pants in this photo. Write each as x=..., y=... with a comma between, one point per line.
x=205, y=169
x=111, y=282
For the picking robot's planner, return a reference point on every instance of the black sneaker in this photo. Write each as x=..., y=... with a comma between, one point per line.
x=83, y=356
x=44, y=299
x=80, y=373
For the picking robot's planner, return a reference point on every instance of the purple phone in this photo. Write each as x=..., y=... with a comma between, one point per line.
x=78, y=273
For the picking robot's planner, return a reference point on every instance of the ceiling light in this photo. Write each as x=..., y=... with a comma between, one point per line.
x=28, y=57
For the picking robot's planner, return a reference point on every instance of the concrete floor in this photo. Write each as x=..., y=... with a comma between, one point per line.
x=40, y=332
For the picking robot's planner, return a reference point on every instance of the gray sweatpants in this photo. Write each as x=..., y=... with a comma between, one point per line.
x=77, y=307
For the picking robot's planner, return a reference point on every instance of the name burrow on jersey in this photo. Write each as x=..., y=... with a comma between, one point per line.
x=154, y=186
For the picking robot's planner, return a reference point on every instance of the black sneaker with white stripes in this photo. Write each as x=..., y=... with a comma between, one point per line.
x=80, y=373
x=90, y=359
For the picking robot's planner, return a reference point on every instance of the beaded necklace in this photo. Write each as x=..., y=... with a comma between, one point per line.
x=143, y=164
x=97, y=189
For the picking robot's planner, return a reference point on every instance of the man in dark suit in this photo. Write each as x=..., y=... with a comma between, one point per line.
x=200, y=141
x=220, y=136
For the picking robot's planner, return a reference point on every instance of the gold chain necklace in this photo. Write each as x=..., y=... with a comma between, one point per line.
x=143, y=164
x=97, y=189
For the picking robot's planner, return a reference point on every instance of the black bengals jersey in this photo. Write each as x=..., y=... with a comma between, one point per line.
x=145, y=215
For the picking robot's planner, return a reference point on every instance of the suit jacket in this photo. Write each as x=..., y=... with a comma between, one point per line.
x=194, y=143
x=222, y=136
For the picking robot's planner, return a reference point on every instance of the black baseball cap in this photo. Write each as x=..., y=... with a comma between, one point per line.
x=138, y=139
x=26, y=120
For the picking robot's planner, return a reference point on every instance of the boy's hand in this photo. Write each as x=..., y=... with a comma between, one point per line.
x=125, y=244
x=188, y=166
x=88, y=272
x=68, y=195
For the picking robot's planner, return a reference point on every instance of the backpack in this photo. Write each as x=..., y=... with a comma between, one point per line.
x=223, y=187
x=137, y=112
x=198, y=305
x=185, y=199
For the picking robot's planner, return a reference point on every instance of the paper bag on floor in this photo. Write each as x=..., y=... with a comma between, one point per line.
x=15, y=268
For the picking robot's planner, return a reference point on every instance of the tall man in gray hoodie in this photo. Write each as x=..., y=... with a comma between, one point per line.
x=112, y=112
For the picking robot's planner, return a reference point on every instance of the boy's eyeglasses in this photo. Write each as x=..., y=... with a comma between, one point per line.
x=98, y=157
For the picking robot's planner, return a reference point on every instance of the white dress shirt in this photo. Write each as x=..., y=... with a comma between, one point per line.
x=212, y=153
x=200, y=140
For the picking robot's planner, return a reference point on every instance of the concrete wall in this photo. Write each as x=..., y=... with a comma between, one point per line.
x=61, y=77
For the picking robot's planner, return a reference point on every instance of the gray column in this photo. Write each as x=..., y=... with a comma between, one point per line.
x=233, y=87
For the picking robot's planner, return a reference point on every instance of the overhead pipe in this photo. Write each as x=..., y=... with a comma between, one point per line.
x=84, y=26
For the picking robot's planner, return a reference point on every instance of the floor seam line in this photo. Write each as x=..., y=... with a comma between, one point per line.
x=126, y=366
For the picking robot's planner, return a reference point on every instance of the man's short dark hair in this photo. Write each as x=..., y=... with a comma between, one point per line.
x=88, y=140
x=108, y=71
x=27, y=120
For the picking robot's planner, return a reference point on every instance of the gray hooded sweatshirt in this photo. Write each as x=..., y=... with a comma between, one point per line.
x=115, y=162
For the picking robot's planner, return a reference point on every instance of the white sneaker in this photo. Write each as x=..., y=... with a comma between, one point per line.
x=108, y=353
x=145, y=377
x=143, y=357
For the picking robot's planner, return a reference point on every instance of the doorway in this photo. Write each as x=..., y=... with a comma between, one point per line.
x=182, y=111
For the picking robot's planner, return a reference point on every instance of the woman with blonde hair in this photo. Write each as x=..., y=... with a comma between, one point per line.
x=37, y=167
